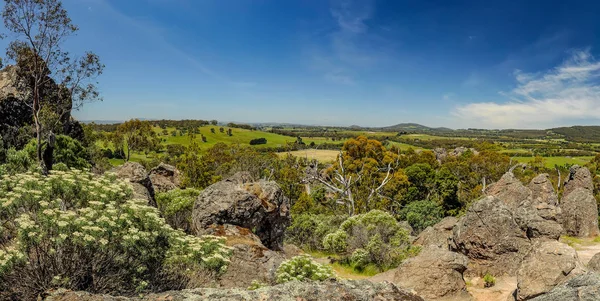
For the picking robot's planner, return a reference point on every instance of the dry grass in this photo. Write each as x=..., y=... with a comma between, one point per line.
x=322, y=155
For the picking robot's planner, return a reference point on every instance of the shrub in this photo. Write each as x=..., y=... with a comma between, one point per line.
x=256, y=285
x=302, y=268
x=258, y=141
x=489, y=280
x=176, y=207
x=307, y=231
x=18, y=161
x=422, y=214
x=81, y=232
x=376, y=233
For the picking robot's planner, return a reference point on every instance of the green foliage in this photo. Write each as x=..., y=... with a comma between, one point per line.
x=371, y=238
x=489, y=280
x=302, y=268
x=422, y=214
x=17, y=161
x=176, y=207
x=258, y=141
x=256, y=285
x=88, y=227
x=307, y=231
x=70, y=152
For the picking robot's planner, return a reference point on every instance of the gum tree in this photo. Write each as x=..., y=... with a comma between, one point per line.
x=53, y=80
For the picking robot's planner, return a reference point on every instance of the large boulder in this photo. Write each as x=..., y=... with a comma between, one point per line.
x=579, y=177
x=585, y=287
x=542, y=191
x=260, y=206
x=509, y=190
x=580, y=213
x=137, y=175
x=332, y=290
x=594, y=263
x=250, y=260
x=433, y=274
x=548, y=264
x=165, y=177
x=490, y=237
x=438, y=235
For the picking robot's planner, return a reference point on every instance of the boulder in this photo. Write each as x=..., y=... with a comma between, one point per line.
x=348, y=290
x=438, y=235
x=509, y=190
x=594, y=263
x=490, y=237
x=542, y=191
x=440, y=154
x=585, y=287
x=433, y=274
x=548, y=264
x=137, y=175
x=539, y=221
x=164, y=177
x=260, y=206
x=579, y=177
x=250, y=260
x=580, y=213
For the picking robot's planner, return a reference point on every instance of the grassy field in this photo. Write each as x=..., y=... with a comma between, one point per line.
x=430, y=137
x=551, y=161
x=322, y=155
x=403, y=146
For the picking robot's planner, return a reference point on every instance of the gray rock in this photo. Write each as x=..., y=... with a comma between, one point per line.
x=579, y=177
x=585, y=287
x=548, y=264
x=135, y=173
x=350, y=290
x=490, y=237
x=594, y=263
x=509, y=190
x=260, y=206
x=434, y=273
x=165, y=177
x=250, y=260
x=542, y=191
x=438, y=235
x=580, y=213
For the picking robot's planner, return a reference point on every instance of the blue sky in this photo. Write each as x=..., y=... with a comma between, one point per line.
x=485, y=64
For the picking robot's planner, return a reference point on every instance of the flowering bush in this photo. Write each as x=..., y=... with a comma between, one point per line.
x=82, y=232
x=301, y=268
x=176, y=206
x=375, y=237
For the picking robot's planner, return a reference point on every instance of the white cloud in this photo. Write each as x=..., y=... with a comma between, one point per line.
x=567, y=93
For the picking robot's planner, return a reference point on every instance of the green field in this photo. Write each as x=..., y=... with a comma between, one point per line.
x=322, y=155
x=430, y=137
x=550, y=162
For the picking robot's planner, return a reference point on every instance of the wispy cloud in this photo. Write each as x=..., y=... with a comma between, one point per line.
x=351, y=45
x=157, y=33
x=569, y=92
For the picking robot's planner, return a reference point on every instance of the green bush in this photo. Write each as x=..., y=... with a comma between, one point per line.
x=72, y=227
x=307, y=231
x=422, y=214
x=489, y=280
x=18, y=161
x=176, y=207
x=374, y=238
x=302, y=268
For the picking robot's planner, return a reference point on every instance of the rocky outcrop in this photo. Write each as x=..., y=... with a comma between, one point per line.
x=579, y=208
x=165, y=177
x=594, y=263
x=542, y=191
x=509, y=190
x=438, y=235
x=291, y=291
x=434, y=273
x=490, y=237
x=579, y=177
x=548, y=264
x=250, y=260
x=580, y=213
x=260, y=206
x=585, y=287
x=137, y=175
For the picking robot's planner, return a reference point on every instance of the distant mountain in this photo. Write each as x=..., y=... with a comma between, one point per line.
x=413, y=127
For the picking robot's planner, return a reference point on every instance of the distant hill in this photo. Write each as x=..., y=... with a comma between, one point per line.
x=590, y=133
x=413, y=127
